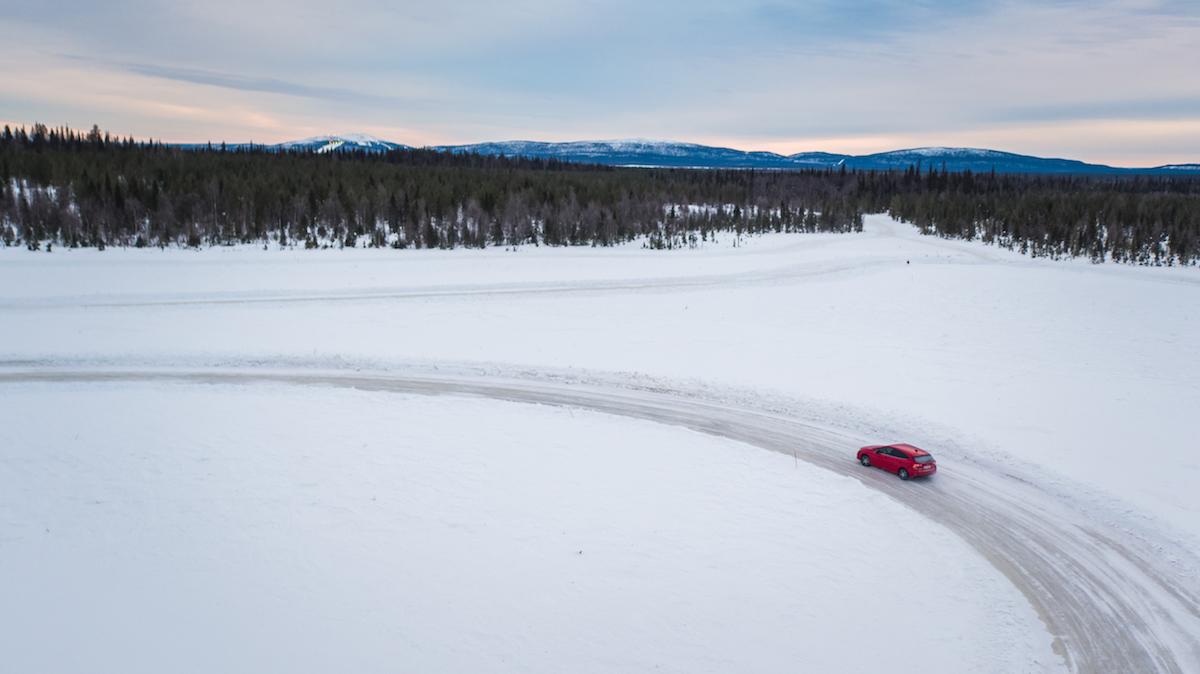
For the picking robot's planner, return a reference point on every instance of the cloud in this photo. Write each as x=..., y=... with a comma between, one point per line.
x=268, y=85
x=1185, y=107
x=771, y=73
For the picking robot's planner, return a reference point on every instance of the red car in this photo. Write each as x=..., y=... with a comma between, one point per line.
x=904, y=460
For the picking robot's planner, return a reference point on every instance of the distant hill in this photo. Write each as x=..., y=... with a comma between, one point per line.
x=350, y=141
x=318, y=144
x=667, y=154
x=979, y=160
x=634, y=153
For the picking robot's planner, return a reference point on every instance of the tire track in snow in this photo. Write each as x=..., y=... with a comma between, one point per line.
x=583, y=287
x=1110, y=606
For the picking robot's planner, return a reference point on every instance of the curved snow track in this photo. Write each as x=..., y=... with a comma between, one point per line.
x=1111, y=602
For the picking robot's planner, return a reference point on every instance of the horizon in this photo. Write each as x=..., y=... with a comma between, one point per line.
x=348, y=135
x=1104, y=82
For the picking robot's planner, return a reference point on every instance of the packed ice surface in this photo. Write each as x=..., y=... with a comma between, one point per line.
x=152, y=527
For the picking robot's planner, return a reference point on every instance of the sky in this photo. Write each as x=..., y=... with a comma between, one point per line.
x=1112, y=81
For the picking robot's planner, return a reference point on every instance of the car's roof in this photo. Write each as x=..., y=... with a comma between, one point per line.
x=911, y=450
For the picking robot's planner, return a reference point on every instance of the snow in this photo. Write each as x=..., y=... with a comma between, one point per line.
x=1081, y=379
x=943, y=152
x=329, y=143
x=268, y=527
x=356, y=138
x=233, y=272
x=362, y=139
x=602, y=149
x=586, y=147
x=1064, y=366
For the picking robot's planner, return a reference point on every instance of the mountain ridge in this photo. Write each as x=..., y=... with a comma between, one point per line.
x=641, y=152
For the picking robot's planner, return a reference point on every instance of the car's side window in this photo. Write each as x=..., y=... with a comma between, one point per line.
x=888, y=450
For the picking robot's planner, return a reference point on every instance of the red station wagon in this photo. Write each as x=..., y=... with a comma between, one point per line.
x=904, y=460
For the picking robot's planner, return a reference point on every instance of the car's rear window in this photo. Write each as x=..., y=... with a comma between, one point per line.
x=924, y=458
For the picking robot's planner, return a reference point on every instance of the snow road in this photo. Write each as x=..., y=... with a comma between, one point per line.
x=1111, y=603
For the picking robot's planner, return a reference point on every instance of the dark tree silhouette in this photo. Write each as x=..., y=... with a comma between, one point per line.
x=90, y=189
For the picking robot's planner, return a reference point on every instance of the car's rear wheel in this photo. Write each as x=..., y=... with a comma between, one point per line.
x=865, y=460
x=903, y=474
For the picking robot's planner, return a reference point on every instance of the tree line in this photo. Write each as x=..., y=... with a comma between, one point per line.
x=69, y=188
x=89, y=189
x=1150, y=219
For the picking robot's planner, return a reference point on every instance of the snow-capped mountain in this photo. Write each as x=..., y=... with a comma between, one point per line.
x=633, y=152
x=973, y=159
x=348, y=141
x=669, y=154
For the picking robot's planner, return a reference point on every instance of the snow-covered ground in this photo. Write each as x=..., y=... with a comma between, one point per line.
x=1080, y=379
x=236, y=272
x=321, y=529
x=1089, y=371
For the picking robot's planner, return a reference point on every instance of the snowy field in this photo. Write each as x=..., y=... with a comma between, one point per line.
x=324, y=530
x=1079, y=382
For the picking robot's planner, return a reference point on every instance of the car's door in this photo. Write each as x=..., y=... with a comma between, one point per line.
x=886, y=460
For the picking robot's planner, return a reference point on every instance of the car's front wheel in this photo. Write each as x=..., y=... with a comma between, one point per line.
x=865, y=460
x=903, y=474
